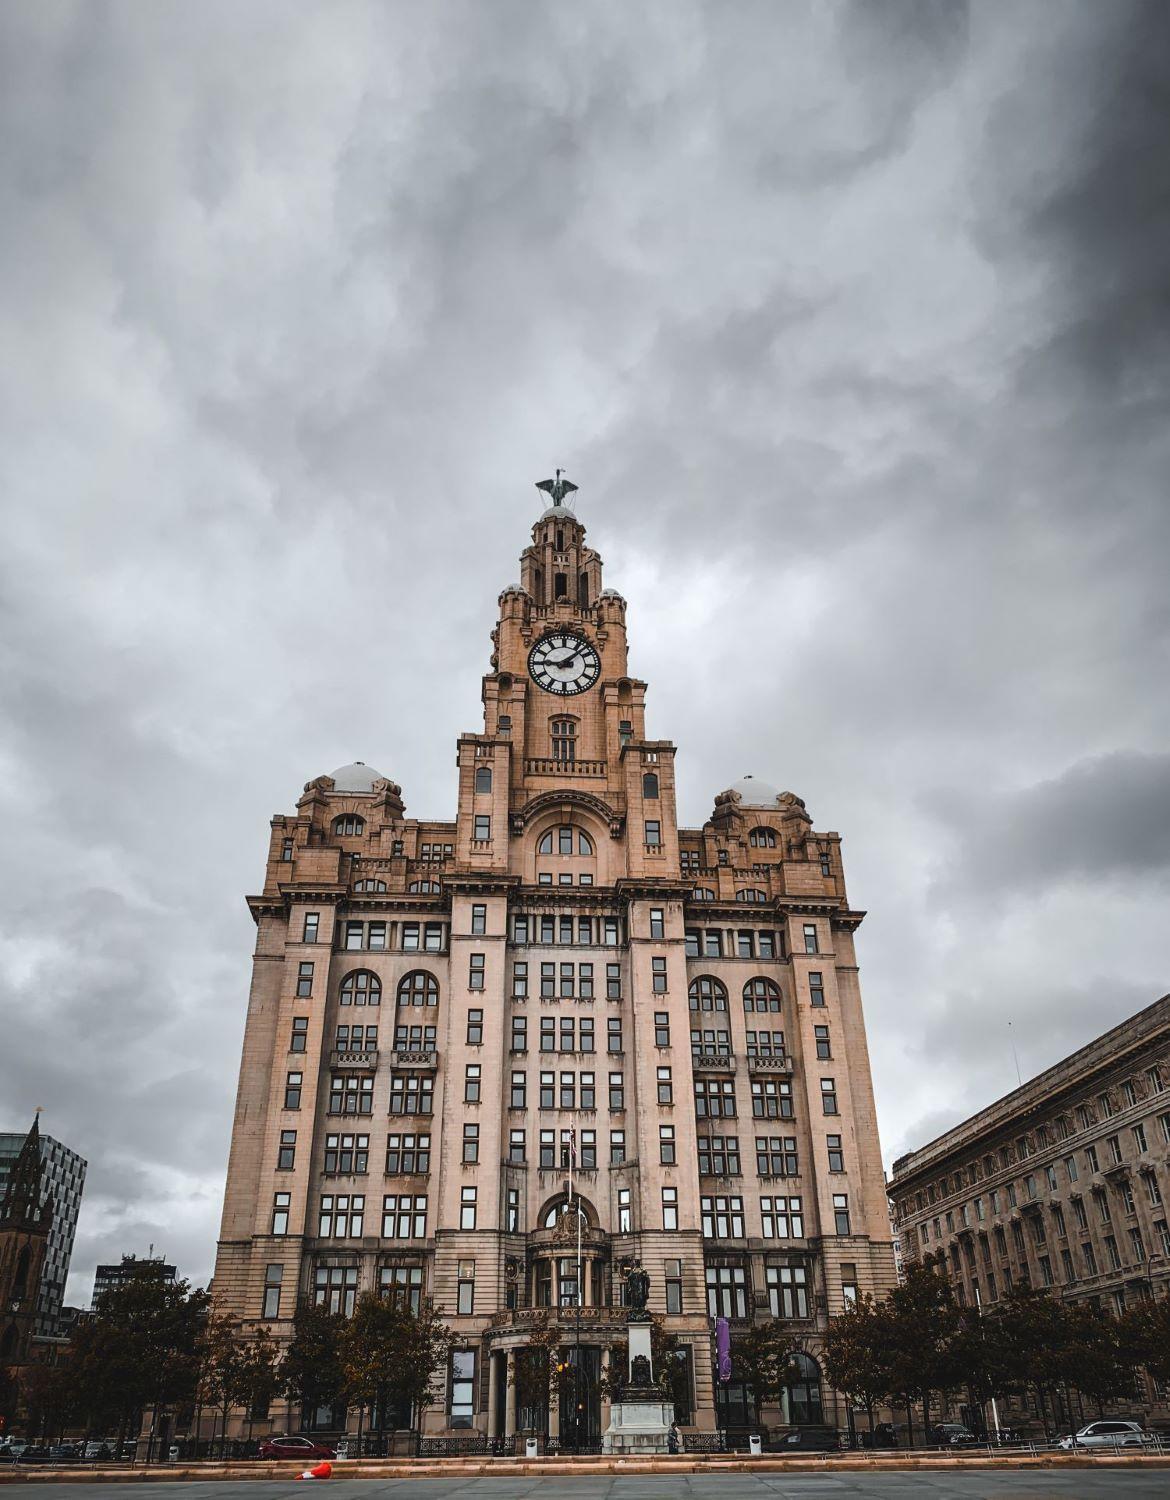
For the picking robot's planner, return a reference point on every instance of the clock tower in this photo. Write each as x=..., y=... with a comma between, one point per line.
x=562, y=714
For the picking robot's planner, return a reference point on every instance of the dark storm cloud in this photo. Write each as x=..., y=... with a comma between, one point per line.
x=850, y=321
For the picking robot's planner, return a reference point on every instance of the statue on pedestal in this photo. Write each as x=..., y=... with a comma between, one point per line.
x=637, y=1292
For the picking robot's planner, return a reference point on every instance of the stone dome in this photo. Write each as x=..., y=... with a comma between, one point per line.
x=612, y=594
x=560, y=513
x=754, y=792
x=356, y=778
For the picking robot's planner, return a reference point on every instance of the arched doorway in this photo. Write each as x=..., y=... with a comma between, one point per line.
x=802, y=1394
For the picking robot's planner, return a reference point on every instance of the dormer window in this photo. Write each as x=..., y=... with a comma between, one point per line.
x=348, y=826
x=564, y=739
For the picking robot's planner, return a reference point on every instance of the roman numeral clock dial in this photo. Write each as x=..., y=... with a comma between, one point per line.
x=564, y=664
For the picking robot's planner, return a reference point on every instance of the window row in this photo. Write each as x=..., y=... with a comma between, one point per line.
x=567, y=930
x=728, y=1290
x=744, y=942
x=558, y=981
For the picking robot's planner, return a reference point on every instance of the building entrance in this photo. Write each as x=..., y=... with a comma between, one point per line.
x=580, y=1398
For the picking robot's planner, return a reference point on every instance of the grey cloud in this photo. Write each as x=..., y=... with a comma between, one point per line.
x=848, y=319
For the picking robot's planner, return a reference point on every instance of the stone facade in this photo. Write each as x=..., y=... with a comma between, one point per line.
x=1063, y=1183
x=448, y=1019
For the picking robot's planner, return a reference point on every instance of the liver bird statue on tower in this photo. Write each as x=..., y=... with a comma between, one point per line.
x=557, y=488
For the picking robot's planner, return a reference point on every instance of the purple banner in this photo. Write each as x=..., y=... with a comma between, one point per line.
x=723, y=1348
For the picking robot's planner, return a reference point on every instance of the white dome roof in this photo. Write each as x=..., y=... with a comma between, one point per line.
x=356, y=778
x=560, y=513
x=755, y=793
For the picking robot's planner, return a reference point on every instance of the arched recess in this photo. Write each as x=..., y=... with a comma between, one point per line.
x=555, y=1208
x=803, y=1406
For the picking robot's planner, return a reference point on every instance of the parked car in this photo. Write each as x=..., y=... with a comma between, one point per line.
x=952, y=1435
x=812, y=1439
x=33, y=1453
x=65, y=1453
x=1111, y=1434
x=100, y=1448
x=294, y=1447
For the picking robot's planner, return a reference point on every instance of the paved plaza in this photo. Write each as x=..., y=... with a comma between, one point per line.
x=902, y=1484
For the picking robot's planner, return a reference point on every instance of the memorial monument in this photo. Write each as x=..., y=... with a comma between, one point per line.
x=641, y=1420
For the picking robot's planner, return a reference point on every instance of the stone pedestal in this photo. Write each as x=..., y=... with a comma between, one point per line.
x=640, y=1422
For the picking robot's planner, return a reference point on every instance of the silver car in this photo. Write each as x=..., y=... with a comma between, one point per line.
x=1109, y=1434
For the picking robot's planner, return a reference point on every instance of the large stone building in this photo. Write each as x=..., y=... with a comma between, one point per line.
x=445, y=1016
x=63, y=1181
x=26, y=1222
x=1063, y=1183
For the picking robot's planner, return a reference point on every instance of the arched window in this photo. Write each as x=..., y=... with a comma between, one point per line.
x=706, y=993
x=361, y=988
x=348, y=826
x=804, y=1390
x=369, y=885
x=650, y=786
x=565, y=840
x=751, y=895
x=483, y=779
x=761, y=995
x=424, y=888
x=557, y=1211
x=762, y=838
x=703, y=893
x=418, y=988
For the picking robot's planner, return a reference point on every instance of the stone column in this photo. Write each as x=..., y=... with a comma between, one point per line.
x=510, y=1395
x=493, y=1394
x=605, y=1403
x=554, y=1406
x=586, y=1281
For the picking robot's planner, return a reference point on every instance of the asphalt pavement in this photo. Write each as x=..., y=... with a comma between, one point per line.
x=903, y=1484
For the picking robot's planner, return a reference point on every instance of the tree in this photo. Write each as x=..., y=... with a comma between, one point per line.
x=139, y=1349
x=859, y=1353
x=671, y=1372
x=258, y=1377
x=49, y=1399
x=220, y=1370
x=1035, y=1328
x=311, y=1372
x=922, y=1330
x=1144, y=1336
x=423, y=1352
x=369, y=1348
x=1094, y=1361
x=761, y=1355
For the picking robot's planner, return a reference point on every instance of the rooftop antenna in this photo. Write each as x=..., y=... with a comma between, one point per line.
x=1015, y=1056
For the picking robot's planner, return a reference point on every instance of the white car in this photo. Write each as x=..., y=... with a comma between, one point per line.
x=1110, y=1434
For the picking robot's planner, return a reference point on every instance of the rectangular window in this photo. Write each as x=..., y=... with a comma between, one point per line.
x=658, y=975
x=568, y=974
x=810, y=938
x=309, y=932
x=478, y=920
x=714, y=1098
x=516, y=1146
x=841, y=1213
x=613, y=983
x=585, y=1028
x=548, y=1091
x=657, y=922
x=665, y=1086
x=520, y=929
x=691, y=940
x=568, y=1034
x=1115, y=1150
x=670, y=1208
x=588, y=1091
x=470, y=1144
x=355, y=936
x=517, y=1096
x=722, y=1218
x=1139, y=1138
x=782, y=1218
x=588, y=1148
x=433, y=937
x=474, y=1028
x=286, y=850
x=475, y=971
x=465, y=1289
x=300, y=1034
x=520, y=981
x=828, y=1096
x=617, y=1092
x=666, y=1145
x=341, y=1216
x=726, y=1291
x=410, y=932
x=377, y=935
x=837, y=1160
x=617, y=1147
x=653, y=833
x=471, y=1081
x=304, y=980
x=712, y=943
x=568, y=1091
x=719, y=1156
x=585, y=986
x=483, y=827
x=673, y=1284
x=821, y=1033
x=849, y=1284
x=286, y=1156
x=273, y=1275
x=406, y=1155
x=548, y=1033
x=613, y=1028
x=462, y=1404
x=816, y=989
x=519, y=1033
x=467, y=1208
x=292, y=1090
x=548, y=981
x=280, y=1210
x=548, y=1150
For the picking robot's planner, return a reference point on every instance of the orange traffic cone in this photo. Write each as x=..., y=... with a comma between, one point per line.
x=320, y=1471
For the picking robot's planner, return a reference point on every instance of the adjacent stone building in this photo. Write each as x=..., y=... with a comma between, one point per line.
x=1063, y=1183
x=26, y=1222
x=63, y=1181
x=448, y=1019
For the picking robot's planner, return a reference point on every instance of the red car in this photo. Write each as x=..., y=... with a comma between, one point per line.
x=294, y=1447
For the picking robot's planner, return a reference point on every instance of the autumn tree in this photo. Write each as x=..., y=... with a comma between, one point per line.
x=311, y=1373
x=1144, y=1338
x=923, y=1329
x=859, y=1353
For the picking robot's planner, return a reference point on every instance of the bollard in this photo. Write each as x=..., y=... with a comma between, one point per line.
x=755, y=1446
x=529, y=1447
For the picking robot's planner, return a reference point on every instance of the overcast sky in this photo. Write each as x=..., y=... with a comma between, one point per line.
x=851, y=322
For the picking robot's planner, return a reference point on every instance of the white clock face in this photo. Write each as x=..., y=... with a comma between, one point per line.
x=564, y=664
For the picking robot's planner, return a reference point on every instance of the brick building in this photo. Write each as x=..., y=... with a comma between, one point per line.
x=1063, y=1183
x=445, y=1016
x=63, y=1181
